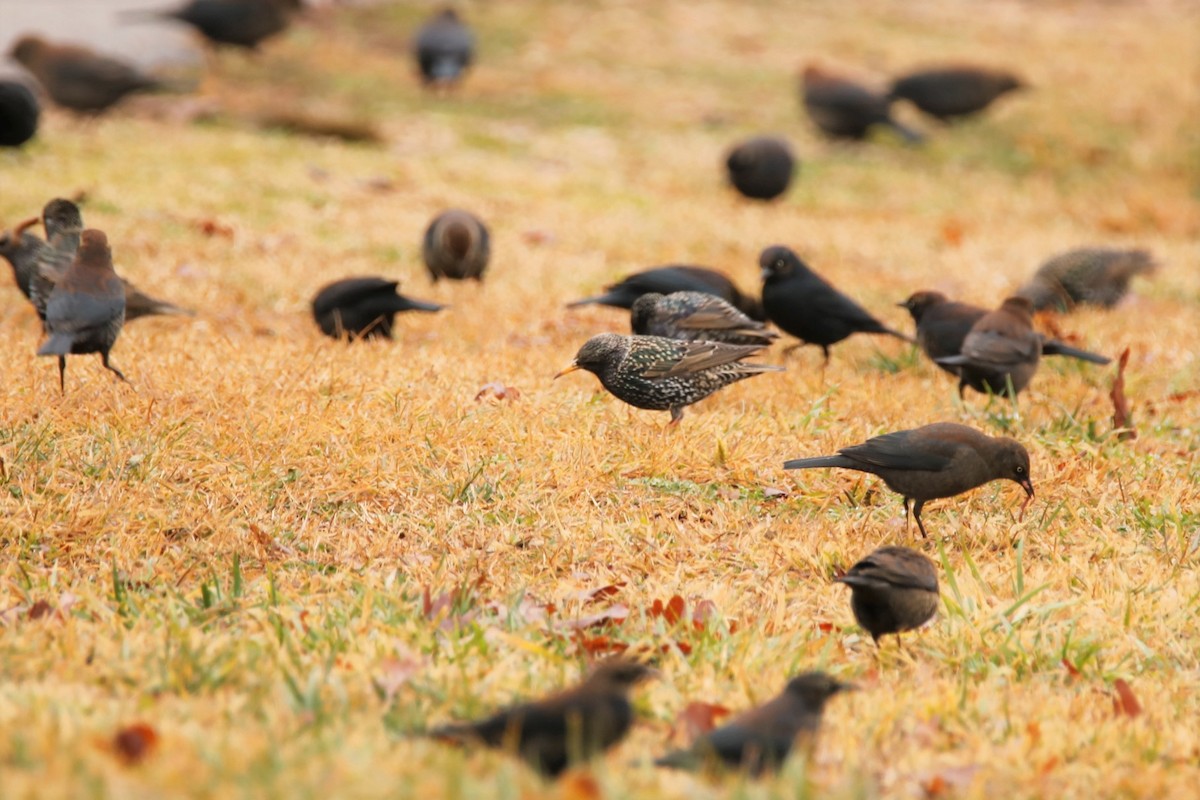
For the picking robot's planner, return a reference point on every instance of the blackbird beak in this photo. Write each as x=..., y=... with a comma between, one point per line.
x=1027, y=485
x=847, y=687
x=574, y=366
x=902, y=305
x=766, y=273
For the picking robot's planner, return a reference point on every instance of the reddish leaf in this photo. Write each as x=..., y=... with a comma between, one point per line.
x=1071, y=670
x=499, y=391
x=952, y=231
x=773, y=493
x=704, y=611
x=39, y=609
x=1122, y=416
x=134, y=743
x=210, y=227
x=825, y=627
x=595, y=645
x=614, y=615
x=1125, y=703
x=698, y=718
x=672, y=611
x=394, y=673
x=949, y=780
x=579, y=784
x=591, y=595
x=682, y=647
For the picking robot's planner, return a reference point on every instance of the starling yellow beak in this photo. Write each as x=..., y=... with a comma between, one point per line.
x=574, y=366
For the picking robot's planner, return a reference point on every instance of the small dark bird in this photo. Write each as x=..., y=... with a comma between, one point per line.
x=457, y=246
x=19, y=113
x=362, y=308
x=671, y=279
x=664, y=374
x=696, y=317
x=234, y=23
x=87, y=307
x=574, y=725
x=20, y=248
x=77, y=78
x=1001, y=353
x=894, y=589
x=844, y=109
x=1096, y=276
x=759, y=740
x=444, y=49
x=931, y=462
x=956, y=91
x=805, y=305
x=761, y=168
x=943, y=324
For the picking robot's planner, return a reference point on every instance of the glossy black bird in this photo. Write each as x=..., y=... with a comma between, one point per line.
x=86, y=310
x=362, y=308
x=671, y=279
x=20, y=248
x=696, y=317
x=954, y=91
x=444, y=48
x=19, y=114
x=1097, y=276
x=78, y=78
x=845, y=109
x=664, y=374
x=234, y=23
x=759, y=740
x=893, y=589
x=931, y=462
x=802, y=303
x=761, y=168
x=574, y=725
x=456, y=246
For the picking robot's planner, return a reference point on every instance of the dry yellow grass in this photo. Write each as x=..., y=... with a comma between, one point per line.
x=235, y=550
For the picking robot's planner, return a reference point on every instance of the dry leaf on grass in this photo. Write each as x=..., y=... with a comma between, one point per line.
x=1122, y=416
x=499, y=391
x=951, y=780
x=134, y=743
x=1125, y=703
x=698, y=718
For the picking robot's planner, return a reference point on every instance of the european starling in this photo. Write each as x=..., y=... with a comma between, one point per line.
x=894, y=589
x=954, y=92
x=761, y=168
x=19, y=112
x=87, y=307
x=1001, y=353
x=671, y=279
x=20, y=248
x=237, y=23
x=362, y=308
x=457, y=246
x=844, y=109
x=943, y=324
x=77, y=78
x=696, y=317
x=759, y=740
x=1097, y=276
x=664, y=374
x=802, y=303
x=565, y=728
x=931, y=462
x=444, y=49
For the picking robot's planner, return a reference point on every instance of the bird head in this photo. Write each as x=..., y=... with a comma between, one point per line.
x=1011, y=460
x=778, y=263
x=620, y=673
x=816, y=687
x=27, y=49
x=1020, y=307
x=921, y=302
x=596, y=353
x=94, y=250
x=61, y=217
x=641, y=312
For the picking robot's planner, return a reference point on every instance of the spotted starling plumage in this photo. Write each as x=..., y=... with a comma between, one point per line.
x=660, y=374
x=1097, y=276
x=675, y=278
x=894, y=589
x=696, y=317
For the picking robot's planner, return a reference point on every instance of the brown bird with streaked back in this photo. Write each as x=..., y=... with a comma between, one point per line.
x=576, y=724
x=1001, y=353
x=954, y=91
x=1096, y=276
x=934, y=461
x=893, y=589
x=696, y=317
x=759, y=740
x=86, y=310
x=77, y=78
x=845, y=109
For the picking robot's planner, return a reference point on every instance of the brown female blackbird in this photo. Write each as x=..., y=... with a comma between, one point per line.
x=954, y=91
x=457, y=246
x=893, y=589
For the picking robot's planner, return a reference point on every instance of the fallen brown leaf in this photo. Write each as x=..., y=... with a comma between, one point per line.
x=1125, y=703
x=134, y=743
x=1122, y=416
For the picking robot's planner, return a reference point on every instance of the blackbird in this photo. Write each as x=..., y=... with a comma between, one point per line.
x=457, y=246
x=803, y=304
x=943, y=324
x=19, y=113
x=20, y=248
x=444, y=49
x=931, y=462
x=696, y=317
x=236, y=23
x=574, y=725
x=954, y=91
x=761, y=168
x=362, y=308
x=844, y=109
x=664, y=374
x=1001, y=352
x=760, y=739
x=87, y=307
x=893, y=589
x=1096, y=276
x=77, y=78
x=675, y=278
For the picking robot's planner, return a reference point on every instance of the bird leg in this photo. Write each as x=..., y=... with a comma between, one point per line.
x=676, y=415
x=62, y=374
x=109, y=367
x=917, y=506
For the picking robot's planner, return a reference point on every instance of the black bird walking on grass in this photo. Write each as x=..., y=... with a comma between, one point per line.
x=954, y=91
x=759, y=740
x=362, y=308
x=233, y=23
x=1096, y=276
x=761, y=168
x=675, y=278
x=456, y=246
x=842, y=108
x=86, y=310
x=444, y=48
x=934, y=461
x=19, y=114
x=696, y=317
x=893, y=589
x=77, y=78
x=660, y=374
x=574, y=725
x=802, y=303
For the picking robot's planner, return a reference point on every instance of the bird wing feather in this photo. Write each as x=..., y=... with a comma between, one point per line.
x=693, y=357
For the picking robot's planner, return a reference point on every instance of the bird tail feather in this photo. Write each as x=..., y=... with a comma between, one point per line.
x=817, y=462
x=1056, y=348
x=59, y=344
